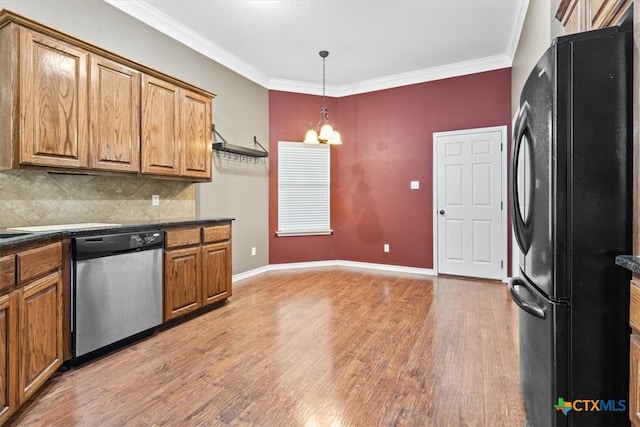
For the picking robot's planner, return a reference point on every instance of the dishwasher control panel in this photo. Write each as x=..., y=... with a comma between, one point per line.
x=111, y=244
x=145, y=239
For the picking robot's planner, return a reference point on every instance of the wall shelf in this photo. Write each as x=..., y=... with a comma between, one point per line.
x=238, y=150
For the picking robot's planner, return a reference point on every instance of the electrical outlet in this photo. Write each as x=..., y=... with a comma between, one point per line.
x=386, y=247
x=415, y=185
x=155, y=200
x=253, y=251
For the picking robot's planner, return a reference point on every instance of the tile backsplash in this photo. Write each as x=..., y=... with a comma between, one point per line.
x=39, y=198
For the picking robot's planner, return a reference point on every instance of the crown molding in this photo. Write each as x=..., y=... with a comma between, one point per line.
x=430, y=74
x=518, y=23
x=141, y=11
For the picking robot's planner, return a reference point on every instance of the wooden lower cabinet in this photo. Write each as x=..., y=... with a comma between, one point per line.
x=216, y=270
x=8, y=371
x=40, y=333
x=634, y=381
x=182, y=273
x=197, y=262
x=31, y=323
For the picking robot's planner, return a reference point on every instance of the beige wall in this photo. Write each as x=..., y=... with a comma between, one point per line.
x=240, y=111
x=535, y=39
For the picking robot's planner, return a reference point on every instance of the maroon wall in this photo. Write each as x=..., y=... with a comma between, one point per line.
x=388, y=142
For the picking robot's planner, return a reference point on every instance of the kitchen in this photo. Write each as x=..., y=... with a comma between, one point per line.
x=243, y=110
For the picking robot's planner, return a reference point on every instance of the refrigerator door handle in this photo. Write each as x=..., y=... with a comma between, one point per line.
x=522, y=230
x=531, y=307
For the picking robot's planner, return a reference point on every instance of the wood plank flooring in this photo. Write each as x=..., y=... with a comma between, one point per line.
x=313, y=347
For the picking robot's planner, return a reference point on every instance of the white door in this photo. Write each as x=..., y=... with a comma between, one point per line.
x=469, y=207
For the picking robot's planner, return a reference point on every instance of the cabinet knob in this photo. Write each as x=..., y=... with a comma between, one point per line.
x=441, y=212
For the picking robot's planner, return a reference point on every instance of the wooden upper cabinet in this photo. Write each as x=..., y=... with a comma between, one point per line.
x=196, y=135
x=115, y=116
x=606, y=13
x=160, y=127
x=53, y=102
x=67, y=104
x=176, y=130
x=584, y=15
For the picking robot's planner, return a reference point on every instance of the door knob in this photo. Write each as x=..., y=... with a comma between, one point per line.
x=441, y=212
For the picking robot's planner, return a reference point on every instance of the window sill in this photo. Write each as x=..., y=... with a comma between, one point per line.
x=304, y=233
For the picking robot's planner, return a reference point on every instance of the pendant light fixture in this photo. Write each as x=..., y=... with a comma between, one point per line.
x=323, y=133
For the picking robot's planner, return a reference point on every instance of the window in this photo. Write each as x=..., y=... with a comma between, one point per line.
x=303, y=189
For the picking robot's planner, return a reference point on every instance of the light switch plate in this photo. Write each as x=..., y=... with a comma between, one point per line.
x=415, y=185
x=155, y=200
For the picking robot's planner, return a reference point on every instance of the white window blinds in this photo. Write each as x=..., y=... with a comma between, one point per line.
x=303, y=189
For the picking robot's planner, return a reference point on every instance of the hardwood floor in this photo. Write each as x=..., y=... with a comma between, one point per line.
x=314, y=347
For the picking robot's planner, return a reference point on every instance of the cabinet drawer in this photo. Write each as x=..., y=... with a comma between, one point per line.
x=35, y=262
x=7, y=271
x=216, y=233
x=182, y=237
x=634, y=305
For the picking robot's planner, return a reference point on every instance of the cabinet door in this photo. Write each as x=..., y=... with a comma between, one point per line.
x=115, y=116
x=216, y=268
x=8, y=347
x=53, y=102
x=40, y=333
x=181, y=282
x=196, y=135
x=160, y=127
x=634, y=381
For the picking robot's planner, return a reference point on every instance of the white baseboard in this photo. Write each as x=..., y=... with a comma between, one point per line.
x=333, y=263
x=249, y=273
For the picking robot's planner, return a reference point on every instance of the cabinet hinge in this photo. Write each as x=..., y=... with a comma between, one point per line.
x=501, y=146
x=501, y=265
x=501, y=206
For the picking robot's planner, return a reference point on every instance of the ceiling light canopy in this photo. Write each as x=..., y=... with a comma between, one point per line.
x=323, y=133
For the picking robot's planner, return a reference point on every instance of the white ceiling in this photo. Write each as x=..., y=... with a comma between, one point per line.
x=375, y=44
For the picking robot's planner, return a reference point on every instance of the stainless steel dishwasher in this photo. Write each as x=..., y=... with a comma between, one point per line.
x=117, y=290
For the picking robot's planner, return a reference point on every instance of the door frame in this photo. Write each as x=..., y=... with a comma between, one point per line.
x=505, y=202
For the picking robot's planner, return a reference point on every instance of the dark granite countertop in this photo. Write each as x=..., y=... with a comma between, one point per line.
x=629, y=262
x=10, y=239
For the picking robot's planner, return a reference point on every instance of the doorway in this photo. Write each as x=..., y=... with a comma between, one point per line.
x=470, y=202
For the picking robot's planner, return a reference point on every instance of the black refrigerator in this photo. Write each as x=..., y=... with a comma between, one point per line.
x=571, y=192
